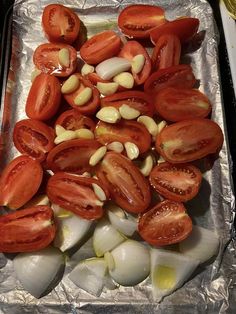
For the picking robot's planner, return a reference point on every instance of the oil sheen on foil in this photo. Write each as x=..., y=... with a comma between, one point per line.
x=212, y=288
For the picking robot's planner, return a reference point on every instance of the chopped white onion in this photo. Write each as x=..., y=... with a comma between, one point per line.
x=89, y=275
x=107, y=69
x=37, y=270
x=201, y=244
x=106, y=237
x=131, y=263
x=119, y=220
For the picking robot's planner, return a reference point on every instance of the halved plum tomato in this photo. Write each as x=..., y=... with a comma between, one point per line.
x=60, y=23
x=166, y=52
x=44, y=97
x=20, y=181
x=175, y=104
x=138, y=20
x=179, y=76
x=73, y=120
x=135, y=99
x=178, y=183
x=72, y=156
x=129, y=51
x=75, y=194
x=189, y=140
x=33, y=138
x=100, y=47
x=184, y=28
x=166, y=223
x=46, y=59
x=91, y=106
x=126, y=184
x=27, y=230
x=124, y=131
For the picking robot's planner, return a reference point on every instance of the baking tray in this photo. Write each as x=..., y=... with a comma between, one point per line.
x=211, y=289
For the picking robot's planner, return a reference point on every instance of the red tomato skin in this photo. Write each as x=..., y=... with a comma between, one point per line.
x=184, y=28
x=54, y=33
x=72, y=156
x=44, y=97
x=62, y=190
x=20, y=181
x=164, y=224
x=92, y=105
x=94, y=78
x=195, y=131
x=175, y=104
x=100, y=47
x=166, y=52
x=27, y=230
x=178, y=183
x=33, y=138
x=46, y=59
x=125, y=183
x=137, y=21
x=73, y=120
x=124, y=131
x=129, y=51
x=179, y=76
x=135, y=99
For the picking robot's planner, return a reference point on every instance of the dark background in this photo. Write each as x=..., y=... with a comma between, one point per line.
x=226, y=80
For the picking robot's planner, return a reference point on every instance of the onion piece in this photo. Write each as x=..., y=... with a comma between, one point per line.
x=120, y=221
x=106, y=237
x=131, y=263
x=107, y=69
x=37, y=270
x=89, y=275
x=71, y=229
x=201, y=244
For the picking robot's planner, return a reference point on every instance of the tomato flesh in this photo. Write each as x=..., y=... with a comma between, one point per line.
x=126, y=184
x=73, y=120
x=60, y=23
x=33, y=138
x=75, y=194
x=20, y=181
x=164, y=224
x=189, y=140
x=178, y=183
x=27, y=230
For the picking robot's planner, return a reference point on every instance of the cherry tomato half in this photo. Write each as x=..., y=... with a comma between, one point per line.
x=33, y=138
x=166, y=52
x=27, y=230
x=175, y=104
x=126, y=184
x=72, y=156
x=73, y=120
x=91, y=106
x=138, y=20
x=20, y=181
x=135, y=99
x=44, y=97
x=178, y=183
x=179, y=76
x=189, y=140
x=75, y=194
x=166, y=223
x=124, y=131
x=184, y=28
x=100, y=47
x=46, y=59
x=132, y=49
x=60, y=23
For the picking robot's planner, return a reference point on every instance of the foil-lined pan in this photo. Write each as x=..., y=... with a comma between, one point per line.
x=212, y=287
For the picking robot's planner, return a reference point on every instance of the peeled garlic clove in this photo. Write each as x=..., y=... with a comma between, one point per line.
x=107, y=69
x=59, y=129
x=107, y=88
x=124, y=79
x=70, y=85
x=97, y=156
x=86, y=69
x=128, y=112
x=65, y=136
x=108, y=114
x=84, y=133
x=137, y=63
x=161, y=125
x=84, y=96
x=147, y=165
x=132, y=150
x=64, y=57
x=150, y=125
x=116, y=147
x=99, y=192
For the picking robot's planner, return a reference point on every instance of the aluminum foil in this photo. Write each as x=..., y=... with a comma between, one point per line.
x=212, y=288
